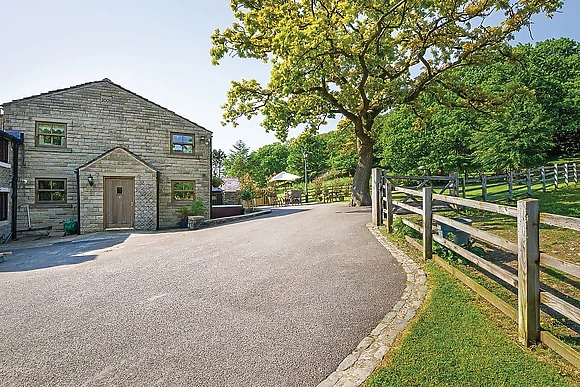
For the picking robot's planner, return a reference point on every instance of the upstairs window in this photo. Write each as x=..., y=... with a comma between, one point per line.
x=182, y=143
x=4, y=150
x=183, y=190
x=50, y=134
x=50, y=190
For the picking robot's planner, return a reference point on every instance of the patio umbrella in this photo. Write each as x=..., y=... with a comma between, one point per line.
x=284, y=176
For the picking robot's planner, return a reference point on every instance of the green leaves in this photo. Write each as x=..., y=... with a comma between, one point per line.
x=357, y=58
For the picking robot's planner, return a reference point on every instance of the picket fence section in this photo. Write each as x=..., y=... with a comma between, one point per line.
x=531, y=292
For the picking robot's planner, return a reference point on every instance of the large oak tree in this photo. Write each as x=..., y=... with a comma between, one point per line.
x=357, y=58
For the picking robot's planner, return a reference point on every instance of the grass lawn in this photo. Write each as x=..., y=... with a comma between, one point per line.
x=453, y=342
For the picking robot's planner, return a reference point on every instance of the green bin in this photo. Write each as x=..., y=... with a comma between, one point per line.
x=71, y=226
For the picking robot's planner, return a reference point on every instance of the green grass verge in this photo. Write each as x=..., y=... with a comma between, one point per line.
x=454, y=343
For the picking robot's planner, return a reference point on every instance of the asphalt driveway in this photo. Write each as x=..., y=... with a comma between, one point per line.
x=273, y=301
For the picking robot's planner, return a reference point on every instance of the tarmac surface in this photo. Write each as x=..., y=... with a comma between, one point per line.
x=278, y=300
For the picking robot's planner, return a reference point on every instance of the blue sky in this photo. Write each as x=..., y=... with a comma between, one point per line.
x=159, y=50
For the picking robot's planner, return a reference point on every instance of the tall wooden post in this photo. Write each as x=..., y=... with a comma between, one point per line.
x=484, y=188
x=575, y=171
x=389, y=207
x=529, y=271
x=566, y=174
x=377, y=200
x=529, y=181
x=455, y=179
x=510, y=186
x=543, y=179
x=427, y=223
x=556, y=176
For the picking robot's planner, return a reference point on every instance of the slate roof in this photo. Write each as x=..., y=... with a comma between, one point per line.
x=106, y=80
x=231, y=184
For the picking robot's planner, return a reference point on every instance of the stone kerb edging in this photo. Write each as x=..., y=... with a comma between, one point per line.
x=355, y=369
x=216, y=221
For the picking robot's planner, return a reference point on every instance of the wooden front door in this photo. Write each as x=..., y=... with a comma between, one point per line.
x=119, y=202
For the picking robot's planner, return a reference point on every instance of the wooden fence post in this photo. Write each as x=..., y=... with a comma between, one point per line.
x=528, y=271
x=377, y=200
x=510, y=186
x=529, y=181
x=543, y=179
x=484, y=188
x=566, y=174
x=575, y=171
x=389, y=206
x=556, y=176
x=427, y=223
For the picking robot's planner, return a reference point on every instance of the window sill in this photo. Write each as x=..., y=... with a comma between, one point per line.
x=5, y=165
x=51, y=205
x=184, y=156
x=50, y=149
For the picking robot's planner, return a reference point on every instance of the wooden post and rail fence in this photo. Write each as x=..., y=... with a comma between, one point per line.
x=530, y=291
x=518, y=184
x=493, y=188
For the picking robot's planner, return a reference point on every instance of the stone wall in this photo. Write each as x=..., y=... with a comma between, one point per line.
x=100, y=116
x=232, y=198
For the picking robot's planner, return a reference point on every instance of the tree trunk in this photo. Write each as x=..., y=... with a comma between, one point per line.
x=361, y=195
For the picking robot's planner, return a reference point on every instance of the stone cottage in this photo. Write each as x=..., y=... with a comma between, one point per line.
x=107, y=157
x=9, y=146
x=231, y=190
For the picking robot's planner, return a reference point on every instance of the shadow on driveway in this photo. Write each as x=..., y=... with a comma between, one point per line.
x=284, y=211
x=73, y=252
x=57, y=254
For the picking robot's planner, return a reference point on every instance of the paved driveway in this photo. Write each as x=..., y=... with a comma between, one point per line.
x=274, y=301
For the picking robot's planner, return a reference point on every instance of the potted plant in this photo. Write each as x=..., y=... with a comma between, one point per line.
x=216, y=181
x=196, y=214
x=184, y=212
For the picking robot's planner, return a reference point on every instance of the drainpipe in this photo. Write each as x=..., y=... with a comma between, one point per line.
x=15, y=145
x=210, y=175
x=158, y=173
x=78, y=173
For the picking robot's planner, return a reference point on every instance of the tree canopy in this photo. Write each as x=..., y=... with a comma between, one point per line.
x=357, y=58
x=534, y=115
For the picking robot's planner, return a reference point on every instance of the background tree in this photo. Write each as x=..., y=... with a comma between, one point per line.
x=516, y=137
x=551, y=69
x=357, y=58
x=267, y=161
x=312, y=144
x=341, y=150
x=236, y=163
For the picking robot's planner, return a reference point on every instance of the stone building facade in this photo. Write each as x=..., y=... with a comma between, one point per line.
x=131, y=162
x=8, y=141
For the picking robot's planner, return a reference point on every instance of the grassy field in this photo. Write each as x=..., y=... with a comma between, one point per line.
x=453, y=342
x=558, y=242
x=458, y=321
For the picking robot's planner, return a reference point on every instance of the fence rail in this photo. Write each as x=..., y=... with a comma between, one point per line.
x=531, y=292
x=492, y=188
